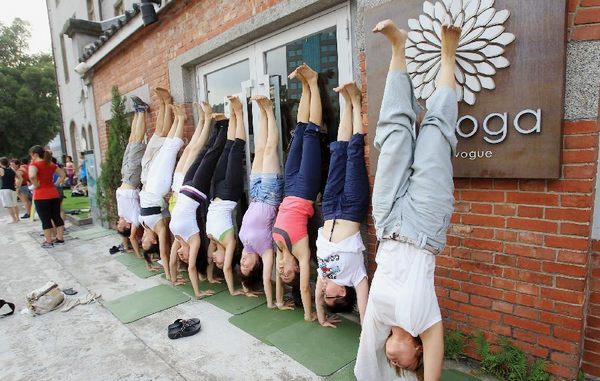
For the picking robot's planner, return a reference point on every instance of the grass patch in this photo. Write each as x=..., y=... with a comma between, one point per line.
x=74, y=203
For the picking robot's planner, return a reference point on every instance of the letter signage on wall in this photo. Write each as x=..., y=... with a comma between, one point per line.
x=510, y=78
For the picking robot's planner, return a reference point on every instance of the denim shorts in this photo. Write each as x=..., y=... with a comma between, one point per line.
x=346, y=194
x=267, y=188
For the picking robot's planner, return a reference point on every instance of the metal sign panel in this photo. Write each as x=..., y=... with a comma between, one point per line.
x=510, y=79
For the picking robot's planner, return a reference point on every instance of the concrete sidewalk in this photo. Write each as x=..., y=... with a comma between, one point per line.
x=89, y=343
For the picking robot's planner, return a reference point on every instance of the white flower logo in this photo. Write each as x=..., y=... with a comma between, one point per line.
x=480, y=49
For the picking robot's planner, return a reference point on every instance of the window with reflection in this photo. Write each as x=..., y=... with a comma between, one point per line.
x=319, y=51
x=224, y=82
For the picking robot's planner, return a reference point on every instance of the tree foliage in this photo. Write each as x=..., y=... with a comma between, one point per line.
x=28, y=97
x=118, y=136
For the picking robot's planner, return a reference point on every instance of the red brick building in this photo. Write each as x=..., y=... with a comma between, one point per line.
x=521, y=260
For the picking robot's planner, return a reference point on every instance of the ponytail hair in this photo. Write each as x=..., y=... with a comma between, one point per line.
x=42, y=153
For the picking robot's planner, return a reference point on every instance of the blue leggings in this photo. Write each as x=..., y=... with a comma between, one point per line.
x=303, y=164
x=346, y=194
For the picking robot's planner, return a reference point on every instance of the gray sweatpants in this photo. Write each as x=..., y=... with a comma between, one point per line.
x=413, y=194
x=131, y=169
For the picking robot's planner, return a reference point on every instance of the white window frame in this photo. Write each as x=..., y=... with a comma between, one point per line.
x=255, y=53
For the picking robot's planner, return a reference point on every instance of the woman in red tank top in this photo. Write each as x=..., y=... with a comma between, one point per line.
x=45, y=194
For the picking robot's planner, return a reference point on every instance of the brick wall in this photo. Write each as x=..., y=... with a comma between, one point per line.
x=143, y=58
x=518, y=256
x=591, y=354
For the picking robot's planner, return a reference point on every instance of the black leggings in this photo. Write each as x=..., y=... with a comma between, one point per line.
x=49, y=212
x=229, y=175
x=200, y=173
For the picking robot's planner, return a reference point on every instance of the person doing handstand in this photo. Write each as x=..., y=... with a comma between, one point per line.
x=154, y=216
x=266, y=192
x=342, y=276
x=412, y=204
x=302, y=186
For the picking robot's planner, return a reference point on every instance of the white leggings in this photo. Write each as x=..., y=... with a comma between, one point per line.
x=160, y=173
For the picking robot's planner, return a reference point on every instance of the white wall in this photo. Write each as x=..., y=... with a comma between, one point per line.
x=74, y=107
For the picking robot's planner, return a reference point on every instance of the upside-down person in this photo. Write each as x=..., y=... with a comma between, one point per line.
x=412, y=205
x=302, y=186
x=342, y=276
x=266, y=192
x=228, y=183
x=154, y=216
x=128, y=199
x=187, y=224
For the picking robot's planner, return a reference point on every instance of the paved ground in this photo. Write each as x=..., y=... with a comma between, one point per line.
x=89, y=343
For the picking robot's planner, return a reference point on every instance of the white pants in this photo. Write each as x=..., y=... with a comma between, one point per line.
x=160, y=173
x=152, y=149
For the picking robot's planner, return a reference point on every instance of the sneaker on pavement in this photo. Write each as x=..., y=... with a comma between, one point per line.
x=47, y=245
x=58, y=241
x=26, y=215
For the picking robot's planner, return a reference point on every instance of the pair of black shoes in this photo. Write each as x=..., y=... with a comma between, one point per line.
x=138, y=104
x=183, y=328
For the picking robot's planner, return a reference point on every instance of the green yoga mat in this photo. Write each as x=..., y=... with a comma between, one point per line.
x=145, y=303
x=261, y=321
x=456, y=375
x=322, y=350
x=188, y=289
x=235, y=304
x=137, y=266
x=344, y=374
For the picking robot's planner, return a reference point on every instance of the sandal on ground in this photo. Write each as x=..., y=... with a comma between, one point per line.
x=12, y=308
x=113, y=250
x=183, y=328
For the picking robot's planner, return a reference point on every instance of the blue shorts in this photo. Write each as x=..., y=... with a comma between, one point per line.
x=267, y=188
x=346, y=194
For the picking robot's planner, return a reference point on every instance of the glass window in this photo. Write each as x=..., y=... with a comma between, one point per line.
x=319, y=51
x=224, y=82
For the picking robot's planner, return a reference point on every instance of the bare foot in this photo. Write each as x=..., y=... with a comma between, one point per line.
x=450, y=38
x=206, y=108
x=396, y=36
x=218, y=116
x=204, y=294
x=180, y=111
x=309, y=74
x=266, y=104
x=235, y=103
x=163, y=94
x=353, y=91
x=296, y=75
x=344, y=93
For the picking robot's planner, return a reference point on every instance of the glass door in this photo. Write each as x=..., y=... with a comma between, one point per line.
x=262, y=68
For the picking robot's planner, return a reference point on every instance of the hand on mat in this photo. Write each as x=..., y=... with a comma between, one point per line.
x=312, y=317
x=204, y=294
x=331, y=321
x=179, y=282
x=253, y=294
x=215, y=280
x=288, y=305
x=238, y=292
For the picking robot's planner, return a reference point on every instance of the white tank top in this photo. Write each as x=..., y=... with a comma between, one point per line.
x=183, y=220
x=219, y=218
